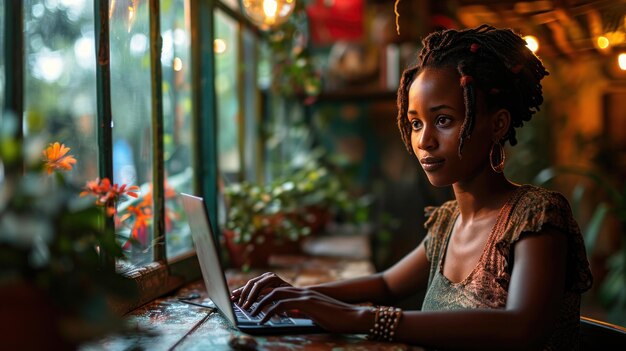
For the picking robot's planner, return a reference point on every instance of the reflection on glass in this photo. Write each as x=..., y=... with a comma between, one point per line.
x=131, y=110
x=59, y=78
x=177, y=109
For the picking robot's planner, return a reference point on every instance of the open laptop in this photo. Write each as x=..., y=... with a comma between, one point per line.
x=215, y=281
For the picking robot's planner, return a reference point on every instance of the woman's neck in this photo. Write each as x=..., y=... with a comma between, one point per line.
x=483, y=194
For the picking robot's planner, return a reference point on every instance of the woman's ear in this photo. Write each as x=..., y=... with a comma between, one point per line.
x=500, y=123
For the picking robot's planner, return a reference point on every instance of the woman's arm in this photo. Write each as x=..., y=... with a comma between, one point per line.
x=399, y=281
x=535, y=293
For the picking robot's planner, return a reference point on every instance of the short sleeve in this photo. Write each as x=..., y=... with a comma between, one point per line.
x=540, y=207
x=437, y=221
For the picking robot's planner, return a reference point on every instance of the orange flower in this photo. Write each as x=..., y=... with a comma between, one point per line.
x=142, y=216
x=55, y=157
x=107, y=195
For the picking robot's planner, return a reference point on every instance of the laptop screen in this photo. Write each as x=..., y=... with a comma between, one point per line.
x=208, y=256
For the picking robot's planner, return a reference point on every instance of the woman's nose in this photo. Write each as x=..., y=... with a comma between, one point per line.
x=426, y=140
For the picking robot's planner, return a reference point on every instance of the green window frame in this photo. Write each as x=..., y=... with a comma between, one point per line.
x=162, y=274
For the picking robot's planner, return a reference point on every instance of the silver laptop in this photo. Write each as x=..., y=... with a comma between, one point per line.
x=215, y=281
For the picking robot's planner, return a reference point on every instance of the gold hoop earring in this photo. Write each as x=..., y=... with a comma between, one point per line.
x=498, y=167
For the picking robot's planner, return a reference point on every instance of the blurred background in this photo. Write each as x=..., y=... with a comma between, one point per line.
x=317, y=93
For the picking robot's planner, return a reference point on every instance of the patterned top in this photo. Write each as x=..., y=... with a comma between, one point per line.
x=486, y=286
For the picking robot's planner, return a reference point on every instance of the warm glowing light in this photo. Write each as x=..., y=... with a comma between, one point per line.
x=178, y=64
x=532, y=43
x=603, y=42
x=621, y=61
x=268, y=13
x=219, y=46
x=269, y=8
x=111, y=8
x=131, y=17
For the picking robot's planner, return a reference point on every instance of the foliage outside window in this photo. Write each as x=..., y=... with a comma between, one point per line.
x=177, y=110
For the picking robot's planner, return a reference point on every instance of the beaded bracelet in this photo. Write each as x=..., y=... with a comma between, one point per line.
x=386, y=319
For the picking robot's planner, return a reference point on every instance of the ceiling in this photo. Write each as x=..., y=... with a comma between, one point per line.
x=564, y=27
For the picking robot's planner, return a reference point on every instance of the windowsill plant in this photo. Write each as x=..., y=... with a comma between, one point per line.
x=274, y=218
x=55, y=290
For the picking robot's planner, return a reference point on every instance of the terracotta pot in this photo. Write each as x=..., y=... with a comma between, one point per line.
x=256, y=255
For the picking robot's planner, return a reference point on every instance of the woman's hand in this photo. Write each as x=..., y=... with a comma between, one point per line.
x=256, y=287
x=330, y=314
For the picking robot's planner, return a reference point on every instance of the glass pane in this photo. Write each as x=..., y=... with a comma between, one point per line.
x=226, y=90
x=177, y=109
x=60, y=81
x=252, y=151
x=132, y=134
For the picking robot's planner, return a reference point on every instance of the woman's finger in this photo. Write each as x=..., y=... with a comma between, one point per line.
x=281, y=307
x=243, y=296
x=276, y=296
x=259, y=287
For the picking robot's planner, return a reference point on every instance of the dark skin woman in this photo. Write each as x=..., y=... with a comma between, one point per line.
x=503, y=264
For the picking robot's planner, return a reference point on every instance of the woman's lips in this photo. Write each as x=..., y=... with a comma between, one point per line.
x=431, y=164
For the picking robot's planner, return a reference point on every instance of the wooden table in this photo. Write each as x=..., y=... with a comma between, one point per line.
x=169, y=324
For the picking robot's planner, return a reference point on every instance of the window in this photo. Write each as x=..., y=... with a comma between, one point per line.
x=177, y=122
x=90, y=68
x=131, y=121
x=59, y=80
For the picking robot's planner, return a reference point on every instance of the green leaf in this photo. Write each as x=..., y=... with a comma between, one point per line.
x=593, y=228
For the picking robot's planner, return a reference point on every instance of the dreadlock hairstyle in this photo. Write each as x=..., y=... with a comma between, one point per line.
x=495, y=61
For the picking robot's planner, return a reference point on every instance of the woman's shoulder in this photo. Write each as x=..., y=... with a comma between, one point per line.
x=536, y=207
x=532, y=194
x=436, y=215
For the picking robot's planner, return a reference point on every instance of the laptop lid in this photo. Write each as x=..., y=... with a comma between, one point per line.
x=215, y=281
x=206, y=250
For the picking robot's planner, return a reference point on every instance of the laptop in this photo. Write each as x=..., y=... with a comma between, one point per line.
x=215, y=280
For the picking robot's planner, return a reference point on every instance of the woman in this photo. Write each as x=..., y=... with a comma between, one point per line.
x=504, y=264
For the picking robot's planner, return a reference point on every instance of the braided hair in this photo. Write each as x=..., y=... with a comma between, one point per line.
x=495, y=61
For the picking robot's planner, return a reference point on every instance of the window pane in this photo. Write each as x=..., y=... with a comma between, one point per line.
x=132, y=134
x=226, y=90
x=177, y=109
x=60, y=82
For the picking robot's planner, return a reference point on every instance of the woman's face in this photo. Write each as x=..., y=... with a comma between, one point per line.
x=436, y=112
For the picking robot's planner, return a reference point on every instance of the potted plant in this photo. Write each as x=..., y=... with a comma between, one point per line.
x=273, y=218
x=55, y=291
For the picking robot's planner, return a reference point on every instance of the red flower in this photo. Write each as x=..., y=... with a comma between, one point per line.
x=108, y=195
x=55, y=157
x=139, y=232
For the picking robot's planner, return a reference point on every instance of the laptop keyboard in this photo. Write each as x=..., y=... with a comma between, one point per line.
x=244, y=316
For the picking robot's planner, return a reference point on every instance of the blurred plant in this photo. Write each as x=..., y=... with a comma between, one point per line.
x=292, y=69
x=612, y=292
x=108, y=195
x=51, y=241
x=55, y=158
x=290, y=207
x=139, y=214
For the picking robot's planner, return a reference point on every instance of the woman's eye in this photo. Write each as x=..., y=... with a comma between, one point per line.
x=416, y=124
x=443, y=121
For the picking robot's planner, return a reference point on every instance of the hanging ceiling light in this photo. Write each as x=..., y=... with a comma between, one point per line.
x=532, y=43
x=268, y=13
